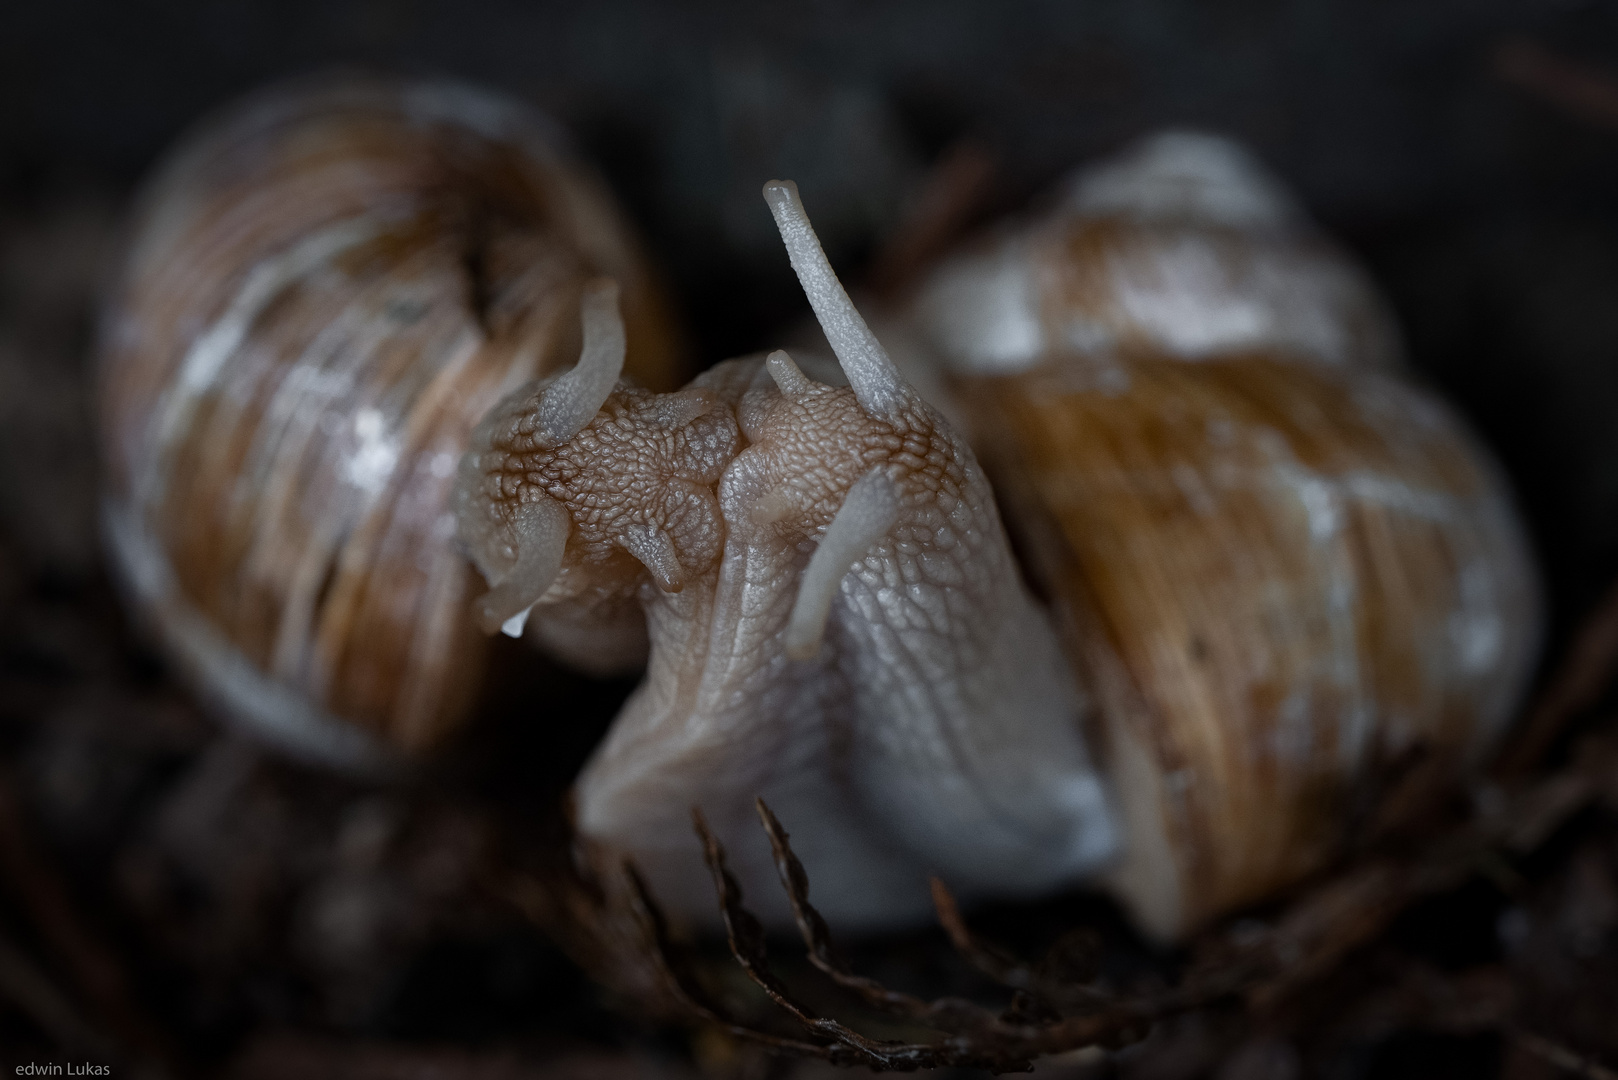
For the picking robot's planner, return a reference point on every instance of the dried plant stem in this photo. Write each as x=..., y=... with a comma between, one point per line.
x=1266, y=968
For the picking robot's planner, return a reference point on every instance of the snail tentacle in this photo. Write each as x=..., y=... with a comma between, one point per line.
x=869, y=510
x=789, y=378
x=876, y=381
x=541, y=529
x=574, y=397
x=654, y=550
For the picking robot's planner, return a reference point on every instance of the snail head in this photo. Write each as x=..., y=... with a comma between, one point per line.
x=839, y=469
x=582, y=483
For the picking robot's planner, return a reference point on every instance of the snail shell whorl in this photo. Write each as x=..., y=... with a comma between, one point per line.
x=1181, y=246
x=327, y=288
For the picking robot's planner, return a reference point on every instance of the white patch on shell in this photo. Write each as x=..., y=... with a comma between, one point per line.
x=981, y=310
x=1381, y=489
x=1476, y=630
x=205, y=360
x=1293, y=739
x=1185, y=175
x=1183, y=296
x=376, y=452
x=443, y=466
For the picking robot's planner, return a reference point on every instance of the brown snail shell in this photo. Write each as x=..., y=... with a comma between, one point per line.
x=326, y=289
x=1280, y=568
x=1280, y=582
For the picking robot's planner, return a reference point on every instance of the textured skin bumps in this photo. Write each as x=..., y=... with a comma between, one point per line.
x=806, y=449
x=932, y=728
x=647, y=464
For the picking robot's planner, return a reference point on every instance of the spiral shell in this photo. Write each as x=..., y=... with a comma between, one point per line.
x=1281, y=583
x=327, y=287
x=1283, y=572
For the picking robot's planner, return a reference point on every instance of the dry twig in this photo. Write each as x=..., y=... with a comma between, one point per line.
x=1264, y=966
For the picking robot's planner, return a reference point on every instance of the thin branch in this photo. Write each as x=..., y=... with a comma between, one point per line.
x=949, y=1014
x=997, y=964
x=684, y=989
x=745, y=935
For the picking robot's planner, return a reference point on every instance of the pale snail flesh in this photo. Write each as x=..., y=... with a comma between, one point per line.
x=326, y=289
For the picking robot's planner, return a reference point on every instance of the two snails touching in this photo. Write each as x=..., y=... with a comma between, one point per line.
x=1270, y=571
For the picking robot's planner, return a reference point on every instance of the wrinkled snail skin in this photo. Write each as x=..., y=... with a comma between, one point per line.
x=326, y=289
x=1180, y=246
x=1279, y=569
x=861, y=653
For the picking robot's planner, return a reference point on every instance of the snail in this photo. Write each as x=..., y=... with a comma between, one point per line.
x=1264, y=575
x=326, y=288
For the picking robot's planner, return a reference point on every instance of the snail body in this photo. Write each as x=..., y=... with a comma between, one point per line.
x=326, y=289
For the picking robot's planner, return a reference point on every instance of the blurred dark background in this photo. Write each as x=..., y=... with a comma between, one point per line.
x=1467, y=150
